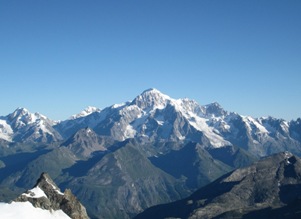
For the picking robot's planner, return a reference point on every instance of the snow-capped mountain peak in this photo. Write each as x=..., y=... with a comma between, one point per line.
x=19, y=112
x=22, y=126
x=22, y=117
x=155, y=116
x=89, y=110
x=153, y=113
x=151, y=99
x=215, y=109
x=25, y=116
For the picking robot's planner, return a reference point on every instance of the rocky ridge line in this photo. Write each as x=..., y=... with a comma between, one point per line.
x=47, y=195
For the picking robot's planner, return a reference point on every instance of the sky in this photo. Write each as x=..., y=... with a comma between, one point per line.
x=59, y=56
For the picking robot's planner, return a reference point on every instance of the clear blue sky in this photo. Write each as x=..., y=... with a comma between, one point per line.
x=59, y=56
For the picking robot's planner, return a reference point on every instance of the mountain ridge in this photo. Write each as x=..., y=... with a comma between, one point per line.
x=269, y=185
x=47, y=195
x=95, y=152
x=155, y=116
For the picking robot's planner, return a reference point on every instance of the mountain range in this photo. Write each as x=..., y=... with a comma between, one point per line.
x=153, y=116
x=127, y=157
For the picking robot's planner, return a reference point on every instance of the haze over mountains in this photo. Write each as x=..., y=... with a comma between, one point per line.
x=127, y=157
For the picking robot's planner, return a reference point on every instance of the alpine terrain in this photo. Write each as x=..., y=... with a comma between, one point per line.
x=269, y=188
x=45, y=200
x=127, y=157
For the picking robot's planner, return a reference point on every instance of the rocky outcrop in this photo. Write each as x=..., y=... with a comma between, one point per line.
x=85, y=142
x=271, y=186
x=47, y=195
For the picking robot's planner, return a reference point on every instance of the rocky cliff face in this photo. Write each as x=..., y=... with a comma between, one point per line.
x=268, y=188
x=85, y=142
x=47, y=195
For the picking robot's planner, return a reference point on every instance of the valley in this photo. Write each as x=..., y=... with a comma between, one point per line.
x=128, y=157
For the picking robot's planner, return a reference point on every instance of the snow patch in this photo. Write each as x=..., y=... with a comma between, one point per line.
x=201, y=125
x=255, y=142
x=43, y=127
x=287, y=156
x=89, y=110
x=251, y=121
x=115, y=106
x=181, y=138
x=285, y=126
x=226, y=126
x=54, y=187
x=26, y=210
x=6, y=131
x=36, y=192
x=129, y=132
x=160, y=122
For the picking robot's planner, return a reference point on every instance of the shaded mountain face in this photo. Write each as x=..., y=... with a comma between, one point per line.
x=123, y=183
x=46, y=195
x=85, y=142
x=192, y=163
x=123, y=172
x=271, y=184
x=199, y=165
x=127, y=174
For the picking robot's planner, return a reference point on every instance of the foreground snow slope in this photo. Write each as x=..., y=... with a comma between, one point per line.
x=25, y=210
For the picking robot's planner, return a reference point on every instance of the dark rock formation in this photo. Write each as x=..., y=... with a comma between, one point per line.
x=270, y=186
x=85, y=142
x=47, y=195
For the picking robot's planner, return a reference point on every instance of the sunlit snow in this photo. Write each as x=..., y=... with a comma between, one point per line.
x=26, y=210
x=55, y=188
x=89, y=110
x=35, y=193
x=249, y=120
x=129, y=132
x=6, y=131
